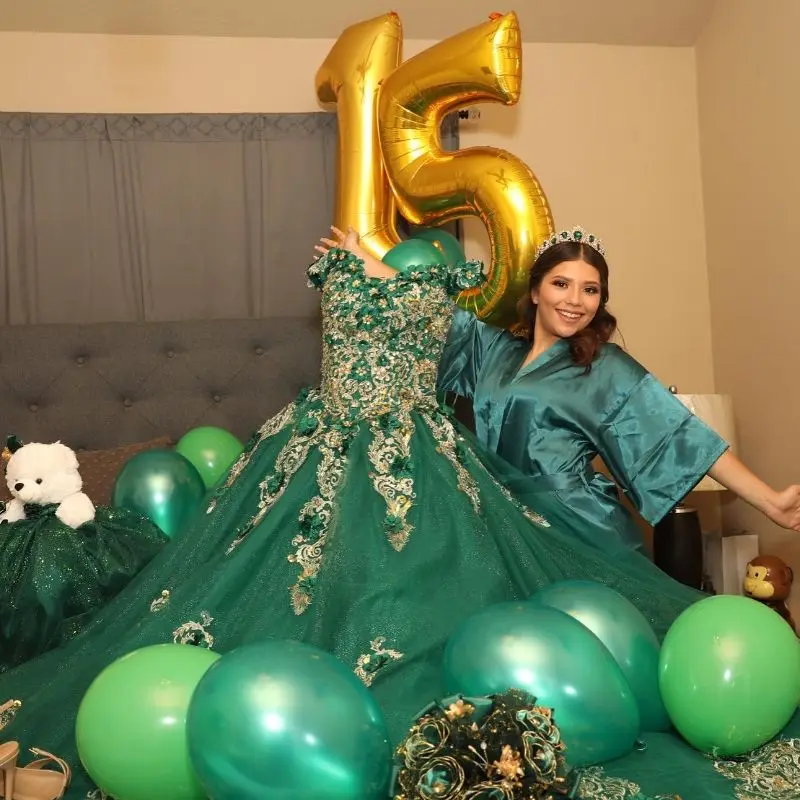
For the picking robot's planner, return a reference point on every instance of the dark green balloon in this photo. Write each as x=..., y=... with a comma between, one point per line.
x=625, y=632
x=448, y=245
x=161, y=485
x=563, y=664
x=286, y=721
x=412, y=253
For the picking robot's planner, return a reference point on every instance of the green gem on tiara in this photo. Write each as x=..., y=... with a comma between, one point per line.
x=578, y=235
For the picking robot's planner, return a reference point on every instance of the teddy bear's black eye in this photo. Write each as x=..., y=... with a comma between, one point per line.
x=38, y=480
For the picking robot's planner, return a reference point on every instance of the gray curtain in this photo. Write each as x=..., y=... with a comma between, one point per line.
x=163, y=217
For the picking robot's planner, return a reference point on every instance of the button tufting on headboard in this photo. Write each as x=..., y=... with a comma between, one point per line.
x=43, y=397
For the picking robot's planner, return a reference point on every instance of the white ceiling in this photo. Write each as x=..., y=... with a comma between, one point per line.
x=623, y=22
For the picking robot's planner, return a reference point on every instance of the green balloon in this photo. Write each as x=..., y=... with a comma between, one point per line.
x=448, y=245
x=161, y=485
x=730, y=674
x=131, y=724
x=412, y=253
x=553, y=657
x=625, y=632
x=211, y=450
x=282, y=719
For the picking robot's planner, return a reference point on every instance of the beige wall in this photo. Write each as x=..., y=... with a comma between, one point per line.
x=610, y=131
x=748, y=66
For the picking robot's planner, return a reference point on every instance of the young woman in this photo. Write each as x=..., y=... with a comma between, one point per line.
x=558, y=393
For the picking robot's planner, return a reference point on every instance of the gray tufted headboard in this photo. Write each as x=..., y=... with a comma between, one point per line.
x=101, y=385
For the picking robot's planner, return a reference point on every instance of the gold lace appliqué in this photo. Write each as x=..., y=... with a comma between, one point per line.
x=8, y=711
x=447, y=440
x=315, y=520
x=770, y=773
x=195, y=633
x=271, y=427
x=370, y=664
x=160, y=603
x=309, y=430
x=390, y=455
x=596, y=785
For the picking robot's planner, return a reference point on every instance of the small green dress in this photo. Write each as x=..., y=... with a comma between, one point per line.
x=550, y=419
x=55, y=578
x=359, y=519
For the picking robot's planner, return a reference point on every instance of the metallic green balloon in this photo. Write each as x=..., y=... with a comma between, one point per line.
x=211, y=450
x=161, y=485
x=282, y=720
x=730, y=674
x=413, y=253
x=448, y=245
x=563, y=664
x=131, y=724
x=625, y=632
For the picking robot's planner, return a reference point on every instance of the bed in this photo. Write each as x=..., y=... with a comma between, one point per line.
x=110, y=390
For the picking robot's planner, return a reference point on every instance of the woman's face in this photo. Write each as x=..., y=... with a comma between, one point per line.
x=567, y=299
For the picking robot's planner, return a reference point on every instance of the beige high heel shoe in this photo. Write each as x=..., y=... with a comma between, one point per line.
x=34, y=782
x=9, y=753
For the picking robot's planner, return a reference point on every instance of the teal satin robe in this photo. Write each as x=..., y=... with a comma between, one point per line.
x=549, y=420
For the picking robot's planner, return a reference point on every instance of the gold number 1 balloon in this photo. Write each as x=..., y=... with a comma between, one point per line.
x=363, y=56
x=390, y=152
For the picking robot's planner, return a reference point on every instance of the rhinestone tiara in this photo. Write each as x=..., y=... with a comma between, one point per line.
x=577, y=234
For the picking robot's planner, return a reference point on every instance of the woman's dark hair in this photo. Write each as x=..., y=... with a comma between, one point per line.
x=585, y=344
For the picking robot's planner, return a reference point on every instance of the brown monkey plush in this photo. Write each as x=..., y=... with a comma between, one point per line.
x=769, y=581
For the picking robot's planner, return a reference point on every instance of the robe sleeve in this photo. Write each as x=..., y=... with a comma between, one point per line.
x=657, y=450
x=468, y=342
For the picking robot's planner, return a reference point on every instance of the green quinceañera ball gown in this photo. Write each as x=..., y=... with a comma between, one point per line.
x=359, y=519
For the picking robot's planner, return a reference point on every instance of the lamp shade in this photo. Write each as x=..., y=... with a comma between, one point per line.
x=716, y=410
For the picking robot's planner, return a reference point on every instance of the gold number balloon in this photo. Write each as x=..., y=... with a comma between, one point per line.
x=433, y=186
x=363, y=56
x=390, y=152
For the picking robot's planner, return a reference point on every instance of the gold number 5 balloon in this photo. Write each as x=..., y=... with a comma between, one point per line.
x=429, y=185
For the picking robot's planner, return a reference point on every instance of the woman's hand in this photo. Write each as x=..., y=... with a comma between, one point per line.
x=785, y=508
x=345, y=241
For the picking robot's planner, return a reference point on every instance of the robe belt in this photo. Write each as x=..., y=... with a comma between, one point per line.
x=559, y=481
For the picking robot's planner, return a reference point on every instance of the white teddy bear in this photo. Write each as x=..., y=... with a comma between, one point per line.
x=45, y=474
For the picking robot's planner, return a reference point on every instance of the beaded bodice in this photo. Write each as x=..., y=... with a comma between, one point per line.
x=382, y=338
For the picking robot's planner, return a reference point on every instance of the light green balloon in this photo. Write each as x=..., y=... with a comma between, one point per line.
x=211, y=450
x=131, y=724
x=729, y=674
